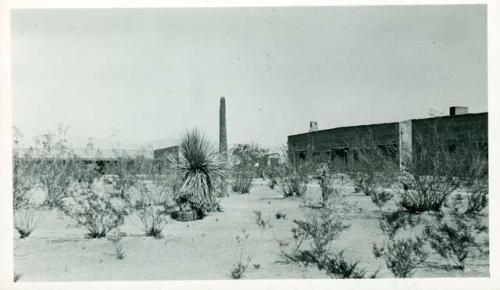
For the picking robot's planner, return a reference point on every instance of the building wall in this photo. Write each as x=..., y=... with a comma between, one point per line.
x=164, y=152
x=342, y=143
x=452, y=129
x=404, y=137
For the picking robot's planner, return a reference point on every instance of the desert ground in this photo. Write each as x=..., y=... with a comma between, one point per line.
x=207, y=249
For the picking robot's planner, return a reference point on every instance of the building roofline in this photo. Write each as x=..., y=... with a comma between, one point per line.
x=343, y=127
x=387, y=123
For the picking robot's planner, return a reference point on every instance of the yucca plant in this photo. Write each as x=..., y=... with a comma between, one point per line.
x=202, y=171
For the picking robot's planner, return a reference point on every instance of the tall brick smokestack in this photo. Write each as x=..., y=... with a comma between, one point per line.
x=222, y=129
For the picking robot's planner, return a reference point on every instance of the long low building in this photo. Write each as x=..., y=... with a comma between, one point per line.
x=400, y=140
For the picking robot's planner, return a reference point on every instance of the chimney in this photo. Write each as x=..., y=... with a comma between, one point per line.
x=222, y=129
x=313, y=126
x=456, y=110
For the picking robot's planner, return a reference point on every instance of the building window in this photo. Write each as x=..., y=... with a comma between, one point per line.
x=452, y=148
x=339, y=155
x=302, y=155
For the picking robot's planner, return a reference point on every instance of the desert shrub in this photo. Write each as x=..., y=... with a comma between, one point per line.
x=326, y=184
x=25, y=173
x=358, y=184
x=374, y=168
x=454, y=234
x=152, y=207
x=438, y=168
x=272, y=174
x=242, y=181
x=313, y=240
x=248, y=162
x=338, y=267
x=402, y=255
x=424, y=193
x=293, y=185
x=56, y=165
x=294, y=177
x=477, y=198
x=86, y=171
x=125, y=171
x=272, y=182
x=24, y=180
x=203, y=174
x=243, y=260
x=154, y=195
x=259, y=220
x=25, y=221
x=98, y=207
x=250, y=157
x=402, y=249
x=115, y=238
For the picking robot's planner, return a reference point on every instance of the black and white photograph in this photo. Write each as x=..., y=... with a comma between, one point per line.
x=249, y=143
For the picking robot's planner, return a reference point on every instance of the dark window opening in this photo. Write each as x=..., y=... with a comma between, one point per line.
x=452, y=148
x=302, y=154
x=339, y=155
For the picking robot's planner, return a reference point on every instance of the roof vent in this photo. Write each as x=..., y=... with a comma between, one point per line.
x=456, y=110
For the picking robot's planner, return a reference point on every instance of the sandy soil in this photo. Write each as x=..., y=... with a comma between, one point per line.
x=206, y=249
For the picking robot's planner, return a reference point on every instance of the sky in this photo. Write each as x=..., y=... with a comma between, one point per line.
x=140, y=75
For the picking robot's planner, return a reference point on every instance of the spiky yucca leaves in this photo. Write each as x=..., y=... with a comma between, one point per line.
x=202, y=170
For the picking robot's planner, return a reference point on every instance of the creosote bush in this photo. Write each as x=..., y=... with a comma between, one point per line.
x=326, y=184
x=25, y=173
x=402, y=250
x=243, y=260
x=454, y=235
x=401, y=255
x=55, y=160
x=313, y=240
x=338, y=267
x=437, y=169
x=115, y=238
x=259, y=220
x=25, y=221
x=248, y=162
x=98, y=207
x=294, y=177
x=242, y=181
x=152, y=207
x=153, y=197
x=477, y=199
x=272, y=175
